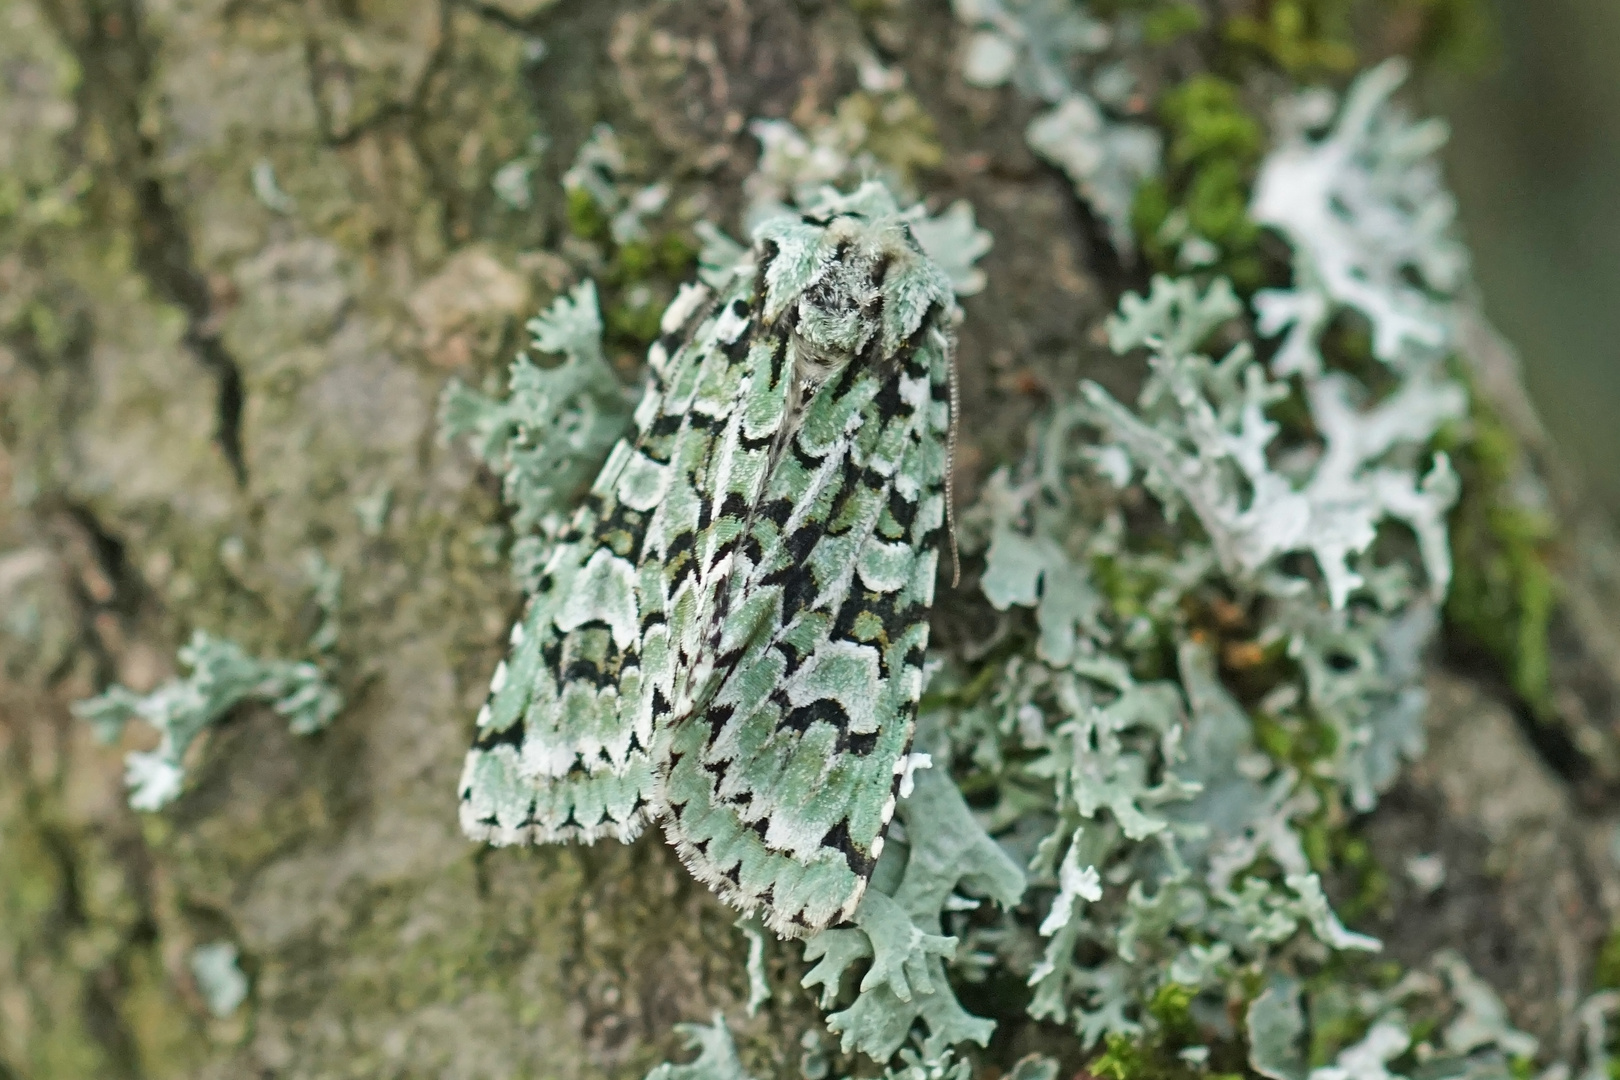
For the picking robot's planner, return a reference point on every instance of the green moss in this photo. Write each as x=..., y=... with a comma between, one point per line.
x=1312, y=38
x=1125, y=590
x=1353, y=857
x=1207, y=119
x=1330, y=1034
x=1218, y=204
x=677, y=254
x=1300, y=743
x=1156, y=1056
x=1458, y=34
x=1149, y=210
x=1168, y=23
x=638, y=282
x=1503, y=589
x=1214, y=147
x=1172, y=1008
x=636, y=279
x=1302, y=37
x=633, y=323
x=1606, y=975
x=635, y=261
x=1152, y=1058
x=1138, y=1059
x=585, y=220
x=670, y=255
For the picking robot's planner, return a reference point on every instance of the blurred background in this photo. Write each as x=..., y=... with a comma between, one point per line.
x=1535, y=163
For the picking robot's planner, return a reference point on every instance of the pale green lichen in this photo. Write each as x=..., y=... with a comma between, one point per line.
x=1482, y=1020
x=1372, y=226
x=1300, y=36
x=1173, y=852
x=220, y=981
x=1597, y=1040
x=1444, y=1020
x=759, y=986
x=1056, y=52
x=1203, y=442
x=549, y=435
x=222, y=677
x=1276, y=1025
x=945, y=863
x=717, y=1055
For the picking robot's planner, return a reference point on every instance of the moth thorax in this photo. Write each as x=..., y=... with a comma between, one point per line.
x=840, y=315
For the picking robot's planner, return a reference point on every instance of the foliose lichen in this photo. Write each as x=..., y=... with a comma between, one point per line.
x=222, y=676
x=942, y=864
x=220, y=980
x=547, y=437
x=1058, y=53
x=717, y=1055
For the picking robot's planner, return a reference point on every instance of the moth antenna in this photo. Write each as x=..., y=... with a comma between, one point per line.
x=950, y=460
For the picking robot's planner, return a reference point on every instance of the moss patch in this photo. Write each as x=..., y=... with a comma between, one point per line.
x=1606, y=976
x=637, y=279
x=1503, y=590
x=1214, y=147
x=1302, y=37
x=1158, y=1057
x=1315, y=38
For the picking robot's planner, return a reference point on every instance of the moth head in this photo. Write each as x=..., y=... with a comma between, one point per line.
x=847, y=286
x=839, y=314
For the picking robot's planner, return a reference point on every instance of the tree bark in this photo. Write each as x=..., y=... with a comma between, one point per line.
x=248, y=245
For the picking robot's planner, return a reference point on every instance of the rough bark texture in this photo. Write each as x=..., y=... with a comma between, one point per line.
x=199, y=377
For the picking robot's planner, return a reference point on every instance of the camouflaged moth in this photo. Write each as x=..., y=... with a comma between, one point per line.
x=729, y=637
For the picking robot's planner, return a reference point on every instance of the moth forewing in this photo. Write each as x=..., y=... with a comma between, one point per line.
x=779, y=787
x=563, y=744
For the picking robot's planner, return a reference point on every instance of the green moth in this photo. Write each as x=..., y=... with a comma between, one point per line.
x=729, y=637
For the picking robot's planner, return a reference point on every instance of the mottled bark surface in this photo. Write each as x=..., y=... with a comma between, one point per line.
x=242, y=246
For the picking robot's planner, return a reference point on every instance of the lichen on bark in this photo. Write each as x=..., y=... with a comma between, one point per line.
x=242, y=248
